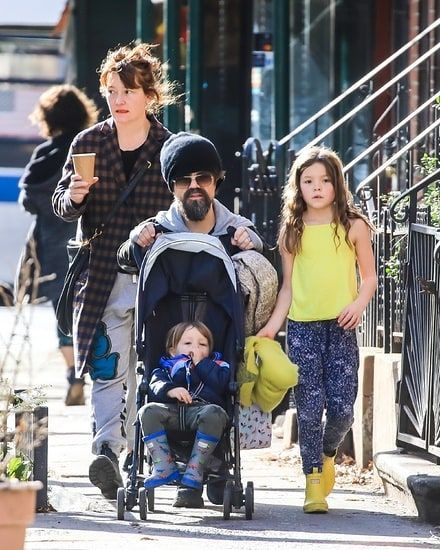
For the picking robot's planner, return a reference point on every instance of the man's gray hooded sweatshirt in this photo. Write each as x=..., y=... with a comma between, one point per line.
x=171, y=220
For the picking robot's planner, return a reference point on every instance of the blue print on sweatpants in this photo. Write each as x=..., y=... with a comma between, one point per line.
x=102, y=364
x=328, y=359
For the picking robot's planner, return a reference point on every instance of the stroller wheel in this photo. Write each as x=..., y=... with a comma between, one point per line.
x=120, y=502
x=250, y=484
x=150, y=499
x=249, y=502
x=227, y=499
x=142, y=498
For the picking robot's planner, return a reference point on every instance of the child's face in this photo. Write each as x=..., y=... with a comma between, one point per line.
x=194, y=344
x=316, y=187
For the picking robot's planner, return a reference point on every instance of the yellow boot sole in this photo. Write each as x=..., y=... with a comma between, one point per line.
x=316, y=508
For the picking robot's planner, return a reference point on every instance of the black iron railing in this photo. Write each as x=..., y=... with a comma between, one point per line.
x=261, y=190
x=383, y=318
x=419, y=401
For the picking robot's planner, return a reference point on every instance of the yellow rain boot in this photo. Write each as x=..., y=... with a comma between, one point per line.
x=315, y=502
x=328, y=473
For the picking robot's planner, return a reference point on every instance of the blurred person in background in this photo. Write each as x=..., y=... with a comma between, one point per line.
x=60, y=113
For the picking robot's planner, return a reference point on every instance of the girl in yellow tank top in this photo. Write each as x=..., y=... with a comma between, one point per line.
x=328, y=279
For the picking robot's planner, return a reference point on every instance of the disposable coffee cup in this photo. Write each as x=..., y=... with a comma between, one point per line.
x=84, y=164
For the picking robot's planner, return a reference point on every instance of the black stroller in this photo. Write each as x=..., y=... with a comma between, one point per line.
x=186, y=277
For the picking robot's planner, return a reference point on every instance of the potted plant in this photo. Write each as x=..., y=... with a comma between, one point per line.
x=18, y=435
x=17, y=490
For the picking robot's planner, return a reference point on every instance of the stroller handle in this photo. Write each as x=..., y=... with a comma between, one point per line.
x=138, y=250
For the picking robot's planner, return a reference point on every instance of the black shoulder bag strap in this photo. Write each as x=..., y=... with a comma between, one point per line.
x=124, y=194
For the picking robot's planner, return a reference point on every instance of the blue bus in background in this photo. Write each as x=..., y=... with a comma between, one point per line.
x=30, y=62
x=9, y=184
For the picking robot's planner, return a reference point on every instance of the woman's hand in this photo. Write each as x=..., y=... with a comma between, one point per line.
x=242, y=239
x=143, y=234
x=78, y=188
x=181, y=394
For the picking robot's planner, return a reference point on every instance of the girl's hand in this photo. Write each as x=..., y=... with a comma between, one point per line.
x=242, y=239
x=78, y=188
x=350, y=316
x=143, y=234
x=181, y=394
x=265, y=332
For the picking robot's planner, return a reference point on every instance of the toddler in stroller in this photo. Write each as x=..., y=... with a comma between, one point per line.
x=187, y=283
x=187, y=392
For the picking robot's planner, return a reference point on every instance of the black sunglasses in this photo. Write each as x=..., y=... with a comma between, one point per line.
x=203, y=179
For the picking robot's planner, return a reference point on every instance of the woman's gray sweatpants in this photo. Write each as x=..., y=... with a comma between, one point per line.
x=112, y=365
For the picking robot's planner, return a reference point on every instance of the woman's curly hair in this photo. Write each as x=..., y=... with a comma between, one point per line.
x=138, y=68
x=63, y=109
x=294, y=206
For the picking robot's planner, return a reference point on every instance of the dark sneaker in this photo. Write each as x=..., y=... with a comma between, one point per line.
x=75, y=394
x=188, y=498
x=104, y=472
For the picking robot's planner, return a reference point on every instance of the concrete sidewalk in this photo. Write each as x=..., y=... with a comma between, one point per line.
x=360, y=515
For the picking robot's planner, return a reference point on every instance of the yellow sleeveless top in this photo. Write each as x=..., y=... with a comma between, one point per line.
x=324, y=275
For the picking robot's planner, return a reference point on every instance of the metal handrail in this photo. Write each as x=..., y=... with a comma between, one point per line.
x=359, y=83
x=371, y=97
x=386, y=112
x=397, y=155
x=430, y=178
x=383, y=138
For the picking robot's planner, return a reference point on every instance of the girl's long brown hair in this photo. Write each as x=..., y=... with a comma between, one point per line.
x=294, y=206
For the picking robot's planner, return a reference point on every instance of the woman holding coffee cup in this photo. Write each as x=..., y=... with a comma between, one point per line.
x=60, y=113
x=126, y=144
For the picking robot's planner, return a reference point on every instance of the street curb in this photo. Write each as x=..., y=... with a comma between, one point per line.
x=413, y=479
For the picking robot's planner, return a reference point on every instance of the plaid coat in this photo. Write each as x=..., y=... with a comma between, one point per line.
x=148, y=197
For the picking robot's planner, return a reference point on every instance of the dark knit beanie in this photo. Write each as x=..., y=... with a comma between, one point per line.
x=184, y=153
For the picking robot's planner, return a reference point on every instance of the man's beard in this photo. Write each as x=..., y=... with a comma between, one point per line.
x=195, y=210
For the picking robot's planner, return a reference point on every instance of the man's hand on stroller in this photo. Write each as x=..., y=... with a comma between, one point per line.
x=143, y=234
x=242, y=239
x=181, y=394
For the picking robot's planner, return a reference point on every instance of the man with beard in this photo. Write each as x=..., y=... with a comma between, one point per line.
x=192, y=169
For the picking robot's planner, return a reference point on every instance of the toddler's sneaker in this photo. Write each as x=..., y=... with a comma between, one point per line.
x=188, y=498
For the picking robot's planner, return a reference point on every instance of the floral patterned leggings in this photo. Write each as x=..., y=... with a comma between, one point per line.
x=328, y=361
